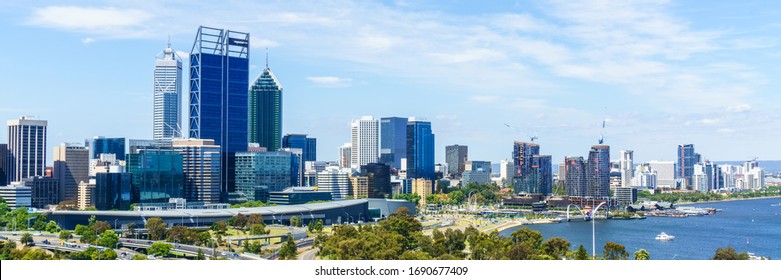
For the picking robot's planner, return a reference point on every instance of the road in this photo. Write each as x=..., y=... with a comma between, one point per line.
x=52, y=242
x=310, y=254
x=187, y=249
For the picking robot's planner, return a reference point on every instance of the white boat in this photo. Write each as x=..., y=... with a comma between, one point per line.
x=664, y=237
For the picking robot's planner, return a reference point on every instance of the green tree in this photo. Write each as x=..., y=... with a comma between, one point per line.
x=556, y=247
x=100, y=226
x=614, y=251
x=201, y=255
x=88, y=236
x=729, y=253
x=402, y=223
x=254, y=219
x=288, y=251
x=156, y=228
x=27, y=238
x=581, y=253
x=109, y=254
x=65, y=235
x=295, y=221
x=82, y=229
x=253, y=247
x=40, y=222
x=219, y=227
x=457, y=197
x=52, y=227
x=92, y=220
x=159, y=249
x=415, y=255
x=319, y=226
x=139, y=257
x=527, y=235
x=239, y=221
x=131, y=229
x=108, y=239
x=642, y=254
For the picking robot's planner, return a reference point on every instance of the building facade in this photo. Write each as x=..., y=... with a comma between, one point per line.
x=420, y=150
x=3, y=164
x=598, y=171
x=16, y=195
x=393, y=141
x=333, y=180
x=26, y=148
x=44, y=191
x=627, y=167
x=157, y=176
x=423, y=188
x=345, y=155
x=101, y=145
x=378, y=177
x=684, y=168
x=665, y=173
x=201, y=165
x=86, y=195
x=456, y=157
x=575, y=183
x=532, y=171
x=365, y=141
x=271, y=169
x=265, y=110
x=71, y=167
x=112, y=191
x=219, y=79
x=307, y=145
x=167, y=84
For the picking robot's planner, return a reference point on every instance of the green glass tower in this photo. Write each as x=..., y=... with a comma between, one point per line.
x=265, y=110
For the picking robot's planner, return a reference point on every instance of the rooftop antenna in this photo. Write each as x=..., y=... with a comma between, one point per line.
x=266, y=57
x=169, y=41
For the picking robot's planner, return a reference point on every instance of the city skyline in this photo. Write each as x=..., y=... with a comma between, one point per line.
x=664, y=74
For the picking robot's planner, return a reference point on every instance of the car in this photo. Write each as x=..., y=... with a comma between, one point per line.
x=45, y=241
x=223, y=253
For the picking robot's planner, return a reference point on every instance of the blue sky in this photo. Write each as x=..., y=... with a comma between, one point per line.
x=660, y=72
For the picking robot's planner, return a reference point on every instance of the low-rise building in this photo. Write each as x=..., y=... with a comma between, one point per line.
x=16, y=195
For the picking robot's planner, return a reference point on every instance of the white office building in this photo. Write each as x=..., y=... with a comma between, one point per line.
x=665, y=173
x=365, y=141
x=335, y=181
x=26, y=148
x=626, y=167
x=17, y=195
x=167, y=95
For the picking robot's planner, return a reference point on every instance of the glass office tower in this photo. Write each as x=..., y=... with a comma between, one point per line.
x=157, y=176
x=102, y=145
x=420, y=150
x=393, y=141
x=265, y=110
x=166, y=123
x=219, y=69
x=307, y=145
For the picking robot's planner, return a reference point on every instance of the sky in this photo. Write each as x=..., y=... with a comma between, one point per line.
x=658, y=73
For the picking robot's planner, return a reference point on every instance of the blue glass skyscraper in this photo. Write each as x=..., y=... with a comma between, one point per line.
x=685, y=163
x=420, y=150
x=219, y=79
x=102, y=145
x=112, y=191
x=157, y=175
x=393, y=141
x=307, y=145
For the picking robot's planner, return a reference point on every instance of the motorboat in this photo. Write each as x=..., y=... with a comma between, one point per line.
x=664, y=237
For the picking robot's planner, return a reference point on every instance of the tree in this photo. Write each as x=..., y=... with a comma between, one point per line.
x=40, y=222
x=159, y=249
x=131, y=229
x=81, y=229
x=139, y=257
x=288, y=251
x=88, y=237
x=52, y=227
x=92, y=220
x=614, y=251
x=402, y=223
x=100, y=226
x=556, y=247
x=581, y=253
x=527, y=235
x=239, y=221
x=729, y=253
x=219, y=227
x=295, y=221
x=201, y=255
x=253, y=247
x=65, y=235
x=27, y=238
x=254, y=219
x=457, y=197
x=68, y=205
x=414, y=255
x=109, y=254
x=156, y=228
x=319, y=226
x=642, y=254
x=108, y=239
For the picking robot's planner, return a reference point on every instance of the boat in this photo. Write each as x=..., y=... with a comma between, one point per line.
x=775, y=205
x=664, y=237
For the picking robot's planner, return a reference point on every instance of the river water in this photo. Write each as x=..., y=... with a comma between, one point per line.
x=747, y=225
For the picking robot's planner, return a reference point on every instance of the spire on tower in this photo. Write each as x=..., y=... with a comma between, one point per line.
x=266, y=57
x=169, y=41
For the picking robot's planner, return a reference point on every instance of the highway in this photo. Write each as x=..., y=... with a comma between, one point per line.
x=51, y=242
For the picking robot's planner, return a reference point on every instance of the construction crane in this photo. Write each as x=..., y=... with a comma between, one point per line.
x=531, y=138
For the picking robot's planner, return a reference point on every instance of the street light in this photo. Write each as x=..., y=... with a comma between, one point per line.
x=593, y=230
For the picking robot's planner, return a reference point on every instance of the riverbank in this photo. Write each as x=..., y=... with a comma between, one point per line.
x=727, y=200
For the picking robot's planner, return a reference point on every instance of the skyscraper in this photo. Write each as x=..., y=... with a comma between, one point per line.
x=455, y=157
x=575, y=182
x=26, y=148
x=219, y=69
x=112, y=191
x=527, y=177
x=685, y=163
x=270, y=169
x=265, y=110
x=378, y=175
x=166, y=122
x=627, y=167
x=345, y=155
x=393, y=141
x=3, y=164
x=598, y=171
x=334, y=181
x=201, y=166
x=365, y=141
x=71, y=166
x=157, y=176
x=307, y=145
x=420, y=149
x=102, y=145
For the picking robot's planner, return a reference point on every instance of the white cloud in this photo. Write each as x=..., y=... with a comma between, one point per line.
x=259, y=43
x=87, y=40
x=726, y=130
x=739, y=108
x=108, y=21
x=330, y=81
x=484, y=98
x=446, y=117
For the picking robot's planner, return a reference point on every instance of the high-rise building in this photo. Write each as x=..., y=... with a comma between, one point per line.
x=157, y=176
x=365, y=141
x=3, y=164
x=201, y=166
x=26, y=148
x=543, y=170
x=101, y=145
x=271, y=169
x=420, y=149
x=296, y=166
x=345, y=155
x=598, y=171
x=307, y=145
x=378, y=175
x=575, y=182
x=393, y=141
x=136, y=145
x=219, y=79
x=476, y=172
x=265, y=110
x=71, y=166
x=45, y=191
x=112, y=191
x=685, y=162
x=455, y=157
x=423, y=188
x=167, y=86
x=333, y=180
x=86, y=194
x=532, y=171
x=505, y=170
x=665, y=173
x=16, y=195
x=627, y=167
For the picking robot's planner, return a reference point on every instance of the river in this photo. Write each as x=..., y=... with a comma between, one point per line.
x=746, y=225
